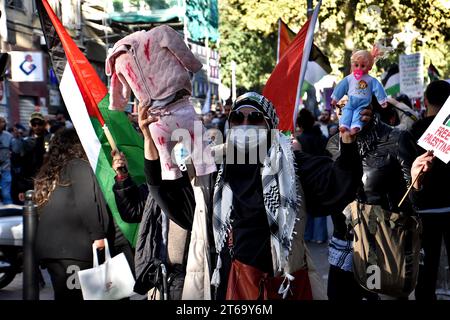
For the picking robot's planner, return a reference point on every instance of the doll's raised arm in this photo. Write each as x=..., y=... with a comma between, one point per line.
x=339, y=91
x=378, y=91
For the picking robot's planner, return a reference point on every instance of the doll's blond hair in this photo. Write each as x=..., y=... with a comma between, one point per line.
x=368, y=57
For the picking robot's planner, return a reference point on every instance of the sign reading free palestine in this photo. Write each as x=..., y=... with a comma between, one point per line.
x=437, y=135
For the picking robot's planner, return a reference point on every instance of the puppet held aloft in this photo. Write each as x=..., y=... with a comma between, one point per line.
x=359, y=87
x=154, y=65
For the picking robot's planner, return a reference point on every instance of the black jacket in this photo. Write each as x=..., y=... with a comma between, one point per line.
x=313, y=141
x=75, y=215
x=387, y=155
x=135, y=206
x=328, y=187
x=33, y=152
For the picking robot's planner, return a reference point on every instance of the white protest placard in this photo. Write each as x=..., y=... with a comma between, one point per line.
x=26, y=66
x=411, y=75
x=437, y=135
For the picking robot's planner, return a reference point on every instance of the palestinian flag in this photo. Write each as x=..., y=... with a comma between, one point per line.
x=295, y=70
x=391, y=81
x=318, y=63
x=433, y=73
x=285, y=37
x=318, y=67
x=86, y=99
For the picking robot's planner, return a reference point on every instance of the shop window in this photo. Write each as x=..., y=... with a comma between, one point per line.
x=15, y=4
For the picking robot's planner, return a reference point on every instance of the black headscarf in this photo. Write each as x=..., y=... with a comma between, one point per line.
x=249, y=215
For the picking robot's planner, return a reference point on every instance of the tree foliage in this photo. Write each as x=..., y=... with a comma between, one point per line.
x=248, y=31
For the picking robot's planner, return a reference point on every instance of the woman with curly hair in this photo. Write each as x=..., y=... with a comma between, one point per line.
x=73, y=213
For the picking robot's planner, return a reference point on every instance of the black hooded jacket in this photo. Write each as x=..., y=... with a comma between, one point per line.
x=136, y=207
x=387, y=155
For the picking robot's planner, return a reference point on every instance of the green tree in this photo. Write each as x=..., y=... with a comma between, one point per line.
x=248, y=31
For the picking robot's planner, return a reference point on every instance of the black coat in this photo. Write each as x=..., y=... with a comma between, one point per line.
x=136, y=206
x=75, y=215
x=387, y=155
x=31, y=160
x=328, y=187
x=313, y=142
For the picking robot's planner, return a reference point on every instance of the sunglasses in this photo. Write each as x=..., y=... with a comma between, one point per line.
x=253, y=118
x=37, y=123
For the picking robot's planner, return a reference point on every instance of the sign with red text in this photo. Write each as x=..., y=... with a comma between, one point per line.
x=437, y=136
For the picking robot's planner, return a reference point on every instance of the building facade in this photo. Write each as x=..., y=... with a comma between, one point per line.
x=95, y=25
x=25, y=86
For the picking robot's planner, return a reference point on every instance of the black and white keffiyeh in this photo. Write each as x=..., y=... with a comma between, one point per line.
x=340, y=253
x=281, y=193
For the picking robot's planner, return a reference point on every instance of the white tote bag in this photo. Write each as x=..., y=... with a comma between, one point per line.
x=111, y=280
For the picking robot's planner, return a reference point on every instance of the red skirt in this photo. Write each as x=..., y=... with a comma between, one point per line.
x=248, y=283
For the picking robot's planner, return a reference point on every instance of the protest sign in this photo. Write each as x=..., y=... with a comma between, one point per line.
x=411, y=75
x=437, y=135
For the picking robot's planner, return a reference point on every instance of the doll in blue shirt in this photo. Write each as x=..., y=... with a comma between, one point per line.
x=359, y=87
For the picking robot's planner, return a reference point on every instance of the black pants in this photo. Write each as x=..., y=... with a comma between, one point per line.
x=58, y=270
x=342, y=285
x=435, y=227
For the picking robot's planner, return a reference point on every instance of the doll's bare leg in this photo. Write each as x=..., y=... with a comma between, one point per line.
x=346, y=118
x=357, y=124
x=163, y=140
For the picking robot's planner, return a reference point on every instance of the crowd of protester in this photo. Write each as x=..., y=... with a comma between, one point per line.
x=351, y=178
x=22, y=151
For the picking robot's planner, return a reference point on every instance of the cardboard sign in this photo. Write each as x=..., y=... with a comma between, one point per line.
x=411, y=75
x=437, y=135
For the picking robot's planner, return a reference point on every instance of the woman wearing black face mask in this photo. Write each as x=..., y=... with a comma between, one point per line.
x=247, y=230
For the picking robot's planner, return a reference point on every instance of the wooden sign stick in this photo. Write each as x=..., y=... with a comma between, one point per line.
x=410, y=187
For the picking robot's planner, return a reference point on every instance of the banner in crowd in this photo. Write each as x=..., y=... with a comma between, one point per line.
x=391, y=81
x=433, y=72
x=411, y=75
x=437, y=136
x=86, y=98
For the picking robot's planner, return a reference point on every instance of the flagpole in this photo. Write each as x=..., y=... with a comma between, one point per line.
x=185, y=28
x=305, y=58
x=109, y=137
x=279, y=36
x=208, y=92
x=233, y=80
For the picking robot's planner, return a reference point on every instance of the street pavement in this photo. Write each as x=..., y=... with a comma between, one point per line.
x=319, y=253
x=14, y=290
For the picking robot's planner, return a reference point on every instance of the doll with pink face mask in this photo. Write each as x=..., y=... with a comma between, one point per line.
x=359, y=86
